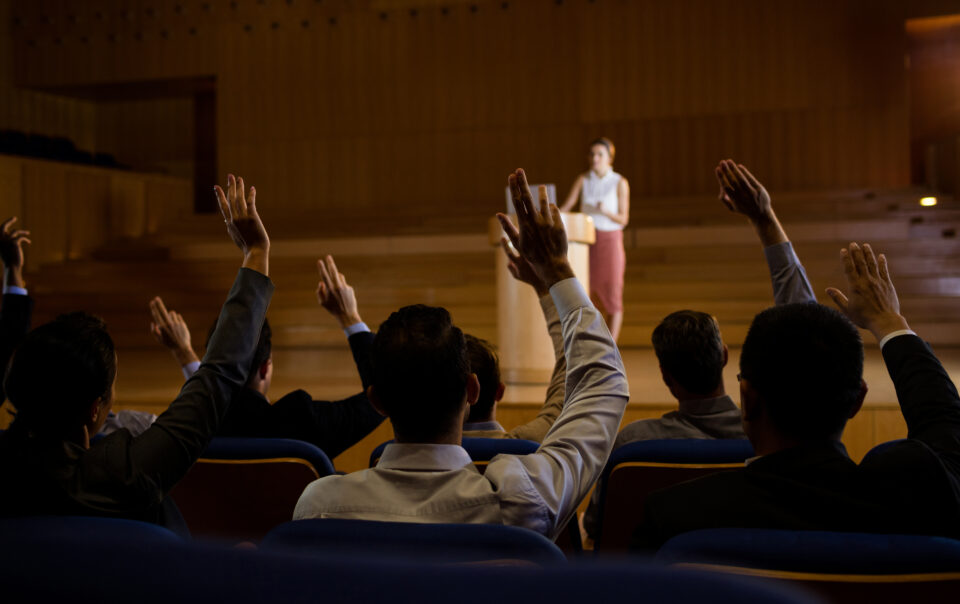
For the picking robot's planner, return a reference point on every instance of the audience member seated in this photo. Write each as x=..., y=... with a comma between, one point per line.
x=800, y=381
x=485, y=364
x=61, y=382
x=333, y=426
x=422, y=382
x=17, y=305
x=688, y=344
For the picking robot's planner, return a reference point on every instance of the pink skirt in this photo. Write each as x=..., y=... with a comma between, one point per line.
x=608, y=262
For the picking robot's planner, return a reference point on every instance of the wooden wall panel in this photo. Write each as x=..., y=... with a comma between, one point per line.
x=387, y=107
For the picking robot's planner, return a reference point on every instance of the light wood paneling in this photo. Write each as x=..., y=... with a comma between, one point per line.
x=380, y=108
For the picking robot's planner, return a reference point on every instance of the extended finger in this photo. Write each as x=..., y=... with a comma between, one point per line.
x=231, y=192
x=859, y=262
x=750, y=178
x=332, y=270
x=240, y=203
x=544, y=200
x=838, y=298
x=525, y=195
x=506, y=250
x=321, y=291
x=555, y=218
x=870, y=261
x=848, y=267
x=222, y=202
x=510, y=229
x=19, y=234
x=324, y=275
x=742, y=179
x=8, y=223
x=513, y=184
x=522, y=201
x=252, y=199
x=884, y=269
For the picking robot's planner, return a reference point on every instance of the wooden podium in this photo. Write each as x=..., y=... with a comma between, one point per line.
x=526, y=353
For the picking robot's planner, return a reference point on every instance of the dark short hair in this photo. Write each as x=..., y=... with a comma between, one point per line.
x=485, y=363
x=420, y=371
x=806, y=363
x=690, y=349
x=264, y=346
x=59, y=370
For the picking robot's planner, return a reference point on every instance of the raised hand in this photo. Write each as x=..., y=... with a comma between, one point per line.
x=11, y=252
x=335, y=294
x=521, y=269
x=741, y=192
x=244, y=226
x=872, y=302
x=171, y=331
x=541, y=238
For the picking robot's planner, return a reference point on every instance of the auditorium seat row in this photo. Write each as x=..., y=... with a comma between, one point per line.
x=111, y=560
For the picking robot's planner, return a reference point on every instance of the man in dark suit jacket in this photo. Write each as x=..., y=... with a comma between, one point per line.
x=333, y=426
x=47, y=462
x=801, y=379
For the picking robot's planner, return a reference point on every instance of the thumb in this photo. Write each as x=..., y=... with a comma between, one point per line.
x=838, y=298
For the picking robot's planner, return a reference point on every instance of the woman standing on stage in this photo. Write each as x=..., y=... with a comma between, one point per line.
x=605, y=195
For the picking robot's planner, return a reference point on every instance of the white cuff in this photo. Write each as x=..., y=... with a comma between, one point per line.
x=189, y=369
x=13, y=289
x=569, y=295
x=356, y=328
x=893, y=334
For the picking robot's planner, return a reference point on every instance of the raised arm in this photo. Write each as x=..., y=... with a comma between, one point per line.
x=577, y=446
x=743, y=194
x=17, y=308
x=538, y=427
x=169, y=447
x=927, y=395
x=171, y=331
x=339, y=299
x=573, y=195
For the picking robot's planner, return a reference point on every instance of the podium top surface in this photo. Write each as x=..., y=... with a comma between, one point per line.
x=579, y=227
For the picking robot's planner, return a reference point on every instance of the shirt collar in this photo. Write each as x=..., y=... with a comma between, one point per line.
x=490, y=426
x=707, y=406
x=424, y=457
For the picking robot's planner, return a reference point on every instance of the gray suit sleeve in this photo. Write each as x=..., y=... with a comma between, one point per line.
x=789, y=279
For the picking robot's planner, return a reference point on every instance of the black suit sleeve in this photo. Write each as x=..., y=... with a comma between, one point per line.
x=927, y=396
x=174, y=442
x=361, y=345
x=334, y=426
x=15, y=319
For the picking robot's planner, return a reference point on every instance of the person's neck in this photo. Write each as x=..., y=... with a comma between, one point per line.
x=602, y=171
x=685, y=396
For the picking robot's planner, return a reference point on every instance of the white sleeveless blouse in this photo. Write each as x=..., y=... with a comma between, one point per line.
x=604, y=191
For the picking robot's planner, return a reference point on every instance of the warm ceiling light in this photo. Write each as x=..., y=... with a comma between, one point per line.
x=928, y=201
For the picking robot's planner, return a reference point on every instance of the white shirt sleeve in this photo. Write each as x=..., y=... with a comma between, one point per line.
x=189, y=369
x=541, y=491
x=360, y=327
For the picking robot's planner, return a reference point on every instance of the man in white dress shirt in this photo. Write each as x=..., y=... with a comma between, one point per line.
x=422, y=382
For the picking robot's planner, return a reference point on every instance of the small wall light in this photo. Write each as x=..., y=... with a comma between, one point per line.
x=928, y=202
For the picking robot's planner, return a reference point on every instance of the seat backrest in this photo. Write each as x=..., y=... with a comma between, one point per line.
x=45, y=531
x=841, y=566
x=442, y=543
x=204, y=573
x=637, y=469
x=243, y=487
x=480, y=450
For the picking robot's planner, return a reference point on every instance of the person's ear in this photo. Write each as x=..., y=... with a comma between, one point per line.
x=501, y=388
x=96, y=409
x=473, y=389
x=265, y=369
x=862, y=395
x=726, y=355
x=375, y=401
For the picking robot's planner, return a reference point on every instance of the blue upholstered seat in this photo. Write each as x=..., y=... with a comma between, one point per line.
x=448, y=543
x=240, y=488
x=637, y=469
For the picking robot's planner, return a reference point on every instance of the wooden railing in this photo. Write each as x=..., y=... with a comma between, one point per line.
x=74, y=209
